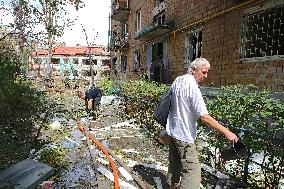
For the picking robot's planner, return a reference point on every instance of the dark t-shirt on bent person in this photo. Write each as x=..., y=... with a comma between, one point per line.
x=95, y=94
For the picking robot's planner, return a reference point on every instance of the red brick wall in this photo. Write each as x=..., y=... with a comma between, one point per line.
x=220, y=42
x=221, y=46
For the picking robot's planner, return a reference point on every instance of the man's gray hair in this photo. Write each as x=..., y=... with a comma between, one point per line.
x=197, y=63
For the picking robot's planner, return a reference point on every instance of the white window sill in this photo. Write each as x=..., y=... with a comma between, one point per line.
x=262, y=59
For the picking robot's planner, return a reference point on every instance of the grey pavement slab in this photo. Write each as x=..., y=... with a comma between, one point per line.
x=26, y=174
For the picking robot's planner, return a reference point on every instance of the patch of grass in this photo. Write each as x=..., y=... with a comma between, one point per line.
x=14, y=147
x=53, y=156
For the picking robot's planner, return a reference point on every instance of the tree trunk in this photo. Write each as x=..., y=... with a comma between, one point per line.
x=49, y=60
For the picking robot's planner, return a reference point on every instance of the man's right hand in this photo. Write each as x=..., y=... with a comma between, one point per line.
x=213, y=123
x=231, y=136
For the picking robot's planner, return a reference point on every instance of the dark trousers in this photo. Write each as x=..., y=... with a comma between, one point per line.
x=96, y=106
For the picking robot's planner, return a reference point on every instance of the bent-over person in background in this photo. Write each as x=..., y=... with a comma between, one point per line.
x=92, y=99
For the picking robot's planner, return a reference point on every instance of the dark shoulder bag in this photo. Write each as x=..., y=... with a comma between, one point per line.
x=162, y=110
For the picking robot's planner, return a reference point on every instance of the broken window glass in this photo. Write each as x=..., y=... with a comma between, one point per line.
x=194, y=46
x=138, y=20
x=136, y=65
x=123, y=63
x=159, y=19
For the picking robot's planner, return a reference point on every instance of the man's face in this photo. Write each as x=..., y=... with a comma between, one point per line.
x=200, y=73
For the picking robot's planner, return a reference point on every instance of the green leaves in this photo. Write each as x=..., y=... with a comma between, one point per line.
x=106, y=85
x=248, y=109
x=17, y=97
x=249, y=112
x=141, y=89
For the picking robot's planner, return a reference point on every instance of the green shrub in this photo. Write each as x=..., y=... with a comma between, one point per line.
x=249, y=111
x=254, y=116
x=19, y=104
x=106, y=85
x=53, y=156
x=19, y=110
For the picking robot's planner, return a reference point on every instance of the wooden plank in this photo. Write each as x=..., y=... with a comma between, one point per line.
x=26, y=174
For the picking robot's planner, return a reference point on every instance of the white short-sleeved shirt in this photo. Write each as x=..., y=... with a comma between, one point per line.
x=187, y=105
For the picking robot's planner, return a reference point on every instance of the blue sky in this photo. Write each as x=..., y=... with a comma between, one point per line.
x=93, y=17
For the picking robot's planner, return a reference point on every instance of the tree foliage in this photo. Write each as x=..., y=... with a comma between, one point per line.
x=40, y=21
x=19, y=110
x=19, y=104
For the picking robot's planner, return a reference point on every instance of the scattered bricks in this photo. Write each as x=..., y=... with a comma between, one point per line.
x=46, y=185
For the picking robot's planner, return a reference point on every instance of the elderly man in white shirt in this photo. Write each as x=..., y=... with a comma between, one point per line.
x=187, y=106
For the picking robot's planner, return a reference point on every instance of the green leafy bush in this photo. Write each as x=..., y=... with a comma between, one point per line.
x=144, y=90
x=19, y=111
x=248, y=111
x=106, y=85
x=19, y=104
x=141, y=98
x=53, y=156
x=257, y=118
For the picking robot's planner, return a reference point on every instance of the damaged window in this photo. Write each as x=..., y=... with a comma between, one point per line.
x=137, y=61
x=75, y=61
x=158, y=2
x=87, y=62
x=263, y=34
x=138, y=20
x=124, y=63
x=124, y=29
x=193, y=46
x=55, y=60
x=160, y=19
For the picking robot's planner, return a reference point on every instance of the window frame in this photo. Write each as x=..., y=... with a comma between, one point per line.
x=197, y=32
x=55, y=60
x=160, y=18
x=157, y=2
x=256, y=11
x=127, y=4
x=125, y=30
x=138, y=20
x=137, y=64
x=124, y=64
x=86, y=62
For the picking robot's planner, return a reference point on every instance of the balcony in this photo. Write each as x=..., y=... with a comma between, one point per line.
x=151, y=32
x=160, y=8
x=119, y=43
x=120, y=11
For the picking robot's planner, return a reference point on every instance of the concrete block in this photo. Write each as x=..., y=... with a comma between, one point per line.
x=26, y=174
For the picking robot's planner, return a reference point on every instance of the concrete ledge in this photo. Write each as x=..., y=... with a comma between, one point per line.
x=26, y=174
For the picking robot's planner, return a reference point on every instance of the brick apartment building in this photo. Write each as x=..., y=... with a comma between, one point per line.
x=243, y=40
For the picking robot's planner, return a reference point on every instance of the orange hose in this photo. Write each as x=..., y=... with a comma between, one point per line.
x=111, y=162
